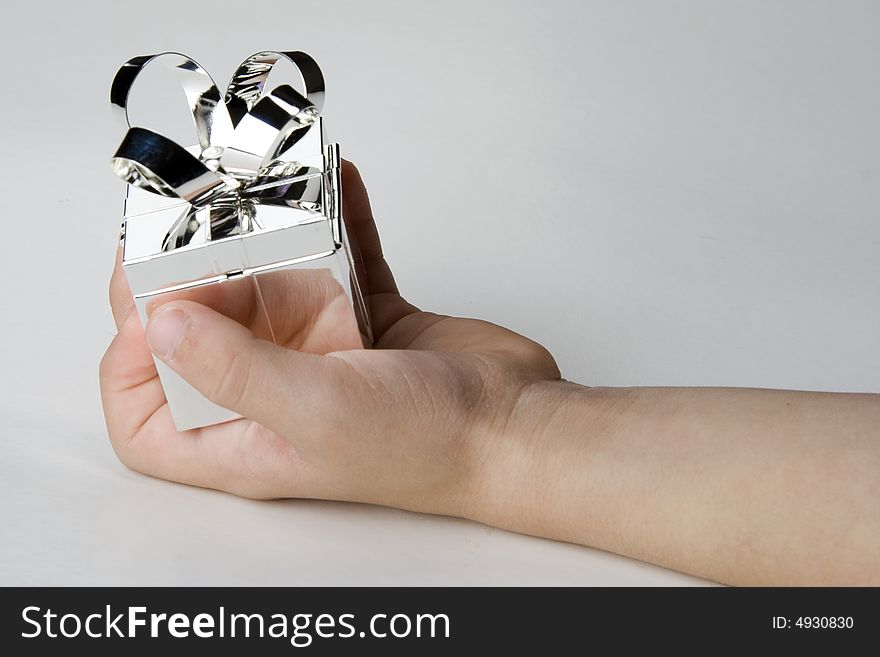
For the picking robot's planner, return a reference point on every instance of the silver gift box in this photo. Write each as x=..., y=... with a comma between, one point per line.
x=244, y=220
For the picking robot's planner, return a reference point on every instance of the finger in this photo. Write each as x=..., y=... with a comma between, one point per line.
x=241, y=456
x=358, y=213
x=142, y=432
x=130, y=388
x=225, y=362
x=379, y=289
x=121, y=301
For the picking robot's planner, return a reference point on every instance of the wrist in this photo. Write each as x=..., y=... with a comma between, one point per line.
x=537, y=455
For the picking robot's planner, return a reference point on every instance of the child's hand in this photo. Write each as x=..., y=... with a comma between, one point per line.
x=409, y=423
x=462, y=417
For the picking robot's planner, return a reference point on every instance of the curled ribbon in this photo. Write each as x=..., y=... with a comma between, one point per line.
x=241, y=140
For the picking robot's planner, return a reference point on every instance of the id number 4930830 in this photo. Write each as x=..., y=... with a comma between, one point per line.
x=813, y=623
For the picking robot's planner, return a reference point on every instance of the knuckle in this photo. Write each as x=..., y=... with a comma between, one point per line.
x=231, y=380
x=125, y=450
x=106, y=365
x=261, y=462
x=125, y=455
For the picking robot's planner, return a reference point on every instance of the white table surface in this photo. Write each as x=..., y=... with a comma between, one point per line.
x=684, y=194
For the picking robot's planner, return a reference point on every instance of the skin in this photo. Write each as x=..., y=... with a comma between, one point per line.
x=462, y=417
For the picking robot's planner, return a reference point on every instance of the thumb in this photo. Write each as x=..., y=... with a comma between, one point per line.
x=230, y=366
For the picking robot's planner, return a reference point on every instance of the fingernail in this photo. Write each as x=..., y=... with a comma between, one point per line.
x=165, y=331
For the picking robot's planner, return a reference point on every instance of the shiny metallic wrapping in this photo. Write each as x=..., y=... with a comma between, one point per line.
x=240, y=218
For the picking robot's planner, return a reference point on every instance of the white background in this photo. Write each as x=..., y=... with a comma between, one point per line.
x=663, y=193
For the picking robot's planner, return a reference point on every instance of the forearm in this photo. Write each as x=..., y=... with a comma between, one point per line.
x=738, y=485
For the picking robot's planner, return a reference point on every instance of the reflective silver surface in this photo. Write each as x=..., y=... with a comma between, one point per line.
x=243, y=214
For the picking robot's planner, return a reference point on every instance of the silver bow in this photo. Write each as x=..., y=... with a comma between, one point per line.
x=237, y=163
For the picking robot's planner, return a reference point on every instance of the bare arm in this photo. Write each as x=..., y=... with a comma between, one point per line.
x=742, y=486
x=462, y=417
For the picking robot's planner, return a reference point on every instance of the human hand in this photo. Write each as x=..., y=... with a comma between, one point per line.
x=411, y=423
x=462, y=417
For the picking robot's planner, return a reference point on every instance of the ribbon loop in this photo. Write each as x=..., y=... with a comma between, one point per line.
x=201, y=92
x=150, y=161
x=246, y=86
x=240, y=140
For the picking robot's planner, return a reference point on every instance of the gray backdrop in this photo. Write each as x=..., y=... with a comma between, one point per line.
x=663, y=193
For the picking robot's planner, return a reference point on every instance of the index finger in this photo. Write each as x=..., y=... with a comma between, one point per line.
x=121, y=300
